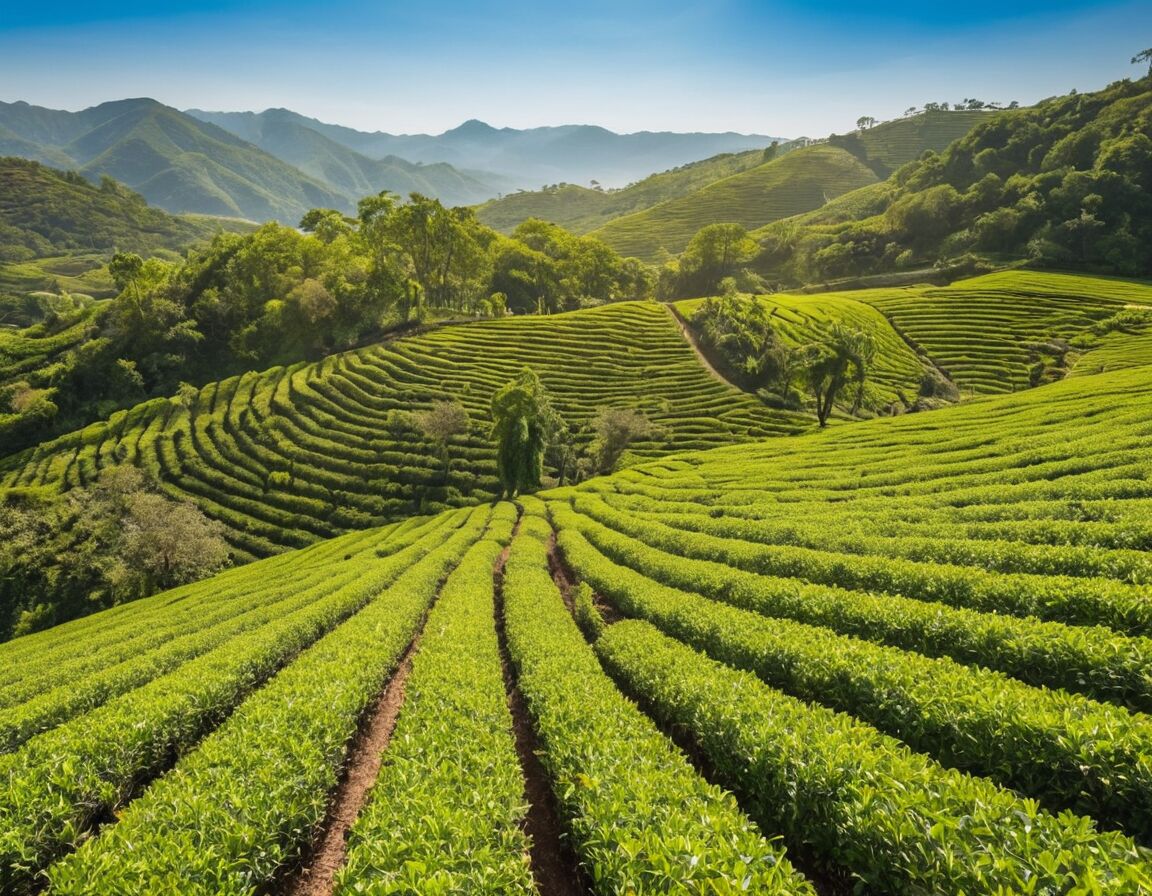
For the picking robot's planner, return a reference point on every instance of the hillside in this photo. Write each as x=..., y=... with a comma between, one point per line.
x=797, y=182
x=1009, y=331
x=292, y=455
x=527, y=158
x=925, y=617
x=683, y=200
x=1064, y=184
x=897, y=371
x=44, y=213
x=173, y=160
x=281, y=134
x=581, y=209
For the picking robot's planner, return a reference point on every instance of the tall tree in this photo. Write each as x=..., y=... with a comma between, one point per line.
x=522, y=418
x=829, y=366
x=1144, y=56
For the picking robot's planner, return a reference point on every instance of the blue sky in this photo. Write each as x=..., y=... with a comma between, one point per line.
x=782, y=67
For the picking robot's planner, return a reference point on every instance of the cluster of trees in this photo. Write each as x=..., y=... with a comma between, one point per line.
x=531, y=436
x=1067, y=183
x=279, y=295
x=966, y=104
x=717, y=253
x=738, y=333
x=119, y=540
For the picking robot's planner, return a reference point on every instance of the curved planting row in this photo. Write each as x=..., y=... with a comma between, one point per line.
x=988, y=333
x=294, y=455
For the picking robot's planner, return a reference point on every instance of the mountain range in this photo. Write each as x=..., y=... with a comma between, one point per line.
x=278, y=164
x=526, y=159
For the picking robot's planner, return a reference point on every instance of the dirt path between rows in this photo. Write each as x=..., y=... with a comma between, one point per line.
x=690, y=338
x=555, y=868
x=329, y=852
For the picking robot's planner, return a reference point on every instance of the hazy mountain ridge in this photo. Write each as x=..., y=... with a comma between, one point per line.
x=529, y=158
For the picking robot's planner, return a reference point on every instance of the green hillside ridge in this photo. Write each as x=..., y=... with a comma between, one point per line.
x=800, y=181
x=897, y=371
x=933, y=618
x=289, y=456
x=581, y=209
x=175, y=161
x=1064, y=185
x=45, y=212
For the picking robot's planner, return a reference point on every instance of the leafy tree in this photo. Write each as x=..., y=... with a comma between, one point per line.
x=522, y=419
x=1144, y=56
x=829, y=367
x=615, y=429
x=715, y=252
x=864, y=122
x=445, y=421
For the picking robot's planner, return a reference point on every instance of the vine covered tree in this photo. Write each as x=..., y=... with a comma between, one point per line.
x=522, y=420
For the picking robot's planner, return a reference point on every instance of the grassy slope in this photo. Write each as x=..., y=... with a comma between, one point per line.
x=581, y=209
x=50, y=211
x=289, y=456
x=979, y=330
x=803, y=319
x=798, y=182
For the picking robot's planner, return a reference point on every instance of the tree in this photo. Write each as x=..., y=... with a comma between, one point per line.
x=168, y=543
x=828, y=367
x=1144, y=56
x=616, y=429
x=864, y=122
x=445, y=421
x=715, y=252
x=522, y=418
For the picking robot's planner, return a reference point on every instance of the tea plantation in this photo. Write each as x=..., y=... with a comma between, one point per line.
x=911, y=655
x=292, y=455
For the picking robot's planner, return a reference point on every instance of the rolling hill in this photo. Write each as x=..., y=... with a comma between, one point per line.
x=289, y=456
x=581, y=209
x=527, y=158
x=914, y=653
x=45, y=212
x=286, y=136
x=801, y=180
x=1063, y=184
x=665, y=210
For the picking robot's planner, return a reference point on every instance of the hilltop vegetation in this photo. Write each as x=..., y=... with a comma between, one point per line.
x=942, y=684
x=44, y=213
x=1063, y=184
x=581, y=209
x=661, y=213
x=277, y=296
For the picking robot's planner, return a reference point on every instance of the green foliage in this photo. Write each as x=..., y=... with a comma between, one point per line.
x=277, y=296
x=522, y=425
x=1064, y=184
x=122, y=540
x=641, y=819
x=901, y=822
x=447, y=812
x=46, y=212
x=256, y=812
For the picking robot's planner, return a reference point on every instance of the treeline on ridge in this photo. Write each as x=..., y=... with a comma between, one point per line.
x=279, y=295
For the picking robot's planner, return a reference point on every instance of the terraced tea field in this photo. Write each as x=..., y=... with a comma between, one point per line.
x=800, y=320
x=913, y=655
x=980, y=331
x=289, y=456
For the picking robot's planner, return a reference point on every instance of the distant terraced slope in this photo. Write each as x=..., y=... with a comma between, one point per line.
x=289, y=456
x=798, y=182
x=980, y=330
